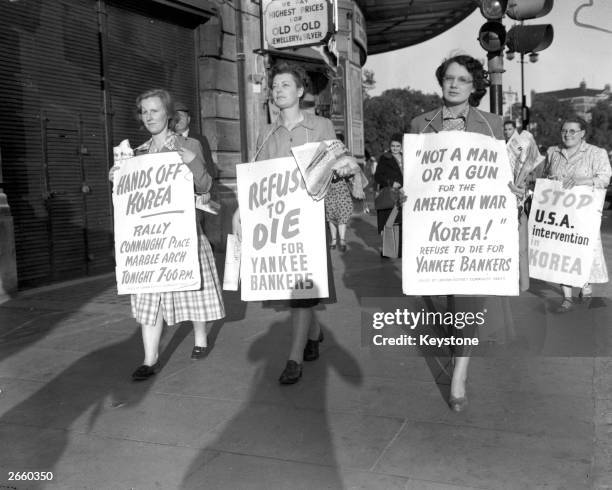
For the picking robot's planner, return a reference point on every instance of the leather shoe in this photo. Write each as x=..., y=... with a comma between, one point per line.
x=458, y=404
x=199, y=352
x=144, y=372
x=311, y=351
x=291, y=374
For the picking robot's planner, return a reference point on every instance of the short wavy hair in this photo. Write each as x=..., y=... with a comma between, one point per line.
x=479, y=75
x=577, y=120
x=302, y=80
x=167, y=101
x=399, y=137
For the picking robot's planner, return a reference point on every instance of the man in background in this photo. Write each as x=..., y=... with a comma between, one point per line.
x=509, y=129
x=182, y=128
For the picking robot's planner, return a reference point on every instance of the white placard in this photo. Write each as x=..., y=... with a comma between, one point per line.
x=283, y=233
x=156, y=243
x=563, y=228
x=231, y=274
x=460, y=220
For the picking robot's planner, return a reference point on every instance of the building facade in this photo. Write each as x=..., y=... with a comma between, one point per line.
x=70, y=71
x=582, y=99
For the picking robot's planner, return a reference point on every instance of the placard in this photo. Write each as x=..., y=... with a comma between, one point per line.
x=283, y=233
x=156, y=243
x=563, y=229
x=460, y=220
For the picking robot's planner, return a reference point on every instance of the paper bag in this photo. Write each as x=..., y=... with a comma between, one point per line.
x=391, y=236
x=231, y=275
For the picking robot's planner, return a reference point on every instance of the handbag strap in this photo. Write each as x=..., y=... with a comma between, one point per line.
x=392, y=216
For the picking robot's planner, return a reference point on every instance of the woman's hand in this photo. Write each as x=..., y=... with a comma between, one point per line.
x=401, y=196
x=236, y=225
x=186, y=154
x=203, y=197
x=345, y=166
x=516, y=190
x=568, y=182
x=111, y=173
x=397, y=185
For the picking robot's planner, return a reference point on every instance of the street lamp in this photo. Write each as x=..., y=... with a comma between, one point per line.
x=533, y=58
x=522, y=39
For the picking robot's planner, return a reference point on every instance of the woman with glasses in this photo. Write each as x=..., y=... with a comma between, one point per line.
x=576, y=162
x=464, y=82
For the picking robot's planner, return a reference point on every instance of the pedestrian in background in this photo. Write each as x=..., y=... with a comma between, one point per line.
x=183, y=127
x=509, y=129
x=575, y=162
x=339, y=207
x=389, y=176
x=156, y=112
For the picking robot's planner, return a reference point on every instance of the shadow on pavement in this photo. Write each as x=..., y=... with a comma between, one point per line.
x=288, y=434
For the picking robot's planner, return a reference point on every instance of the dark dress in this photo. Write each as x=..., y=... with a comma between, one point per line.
x=387, y=172
x=498, y=320
x=276, y=141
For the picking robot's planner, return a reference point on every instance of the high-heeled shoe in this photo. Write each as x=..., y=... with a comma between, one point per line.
x=332, y=245
x=291, y=374
x=342, y=246
x=458, y=404
x=311, y=351
x=145, y=372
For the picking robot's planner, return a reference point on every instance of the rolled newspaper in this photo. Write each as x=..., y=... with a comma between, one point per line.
x=317, y=163
x=231, y=274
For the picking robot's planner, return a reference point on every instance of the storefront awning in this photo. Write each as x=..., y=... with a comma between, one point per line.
x=394, y=24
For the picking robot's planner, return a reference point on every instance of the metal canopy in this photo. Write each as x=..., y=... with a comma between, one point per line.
x=395, y=24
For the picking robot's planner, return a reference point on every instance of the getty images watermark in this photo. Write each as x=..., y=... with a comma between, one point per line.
x=427, y=328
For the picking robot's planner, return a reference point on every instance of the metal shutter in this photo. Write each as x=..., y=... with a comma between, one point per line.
x=149, y=46
x=50, y=95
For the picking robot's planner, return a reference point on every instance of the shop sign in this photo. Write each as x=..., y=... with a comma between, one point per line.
x=291, y=23
x=359, y=28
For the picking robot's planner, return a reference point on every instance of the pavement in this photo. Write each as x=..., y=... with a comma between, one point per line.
x=362, y=417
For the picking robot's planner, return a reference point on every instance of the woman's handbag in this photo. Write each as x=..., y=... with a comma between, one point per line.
x=386, y=198
x=391, y=236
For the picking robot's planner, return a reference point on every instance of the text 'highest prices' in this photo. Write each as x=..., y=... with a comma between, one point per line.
x=296, y=22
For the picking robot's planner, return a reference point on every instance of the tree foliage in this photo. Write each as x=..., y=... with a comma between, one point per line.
x=391, y=112
x=600, y=133
x=547, y=116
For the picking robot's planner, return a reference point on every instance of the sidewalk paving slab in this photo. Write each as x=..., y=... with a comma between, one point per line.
x=361, y=417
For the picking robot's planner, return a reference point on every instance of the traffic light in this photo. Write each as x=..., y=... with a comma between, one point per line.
x=493, y=9
x=529, y=39
x=521, y=39
x=529, y=9
x=492, y=36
